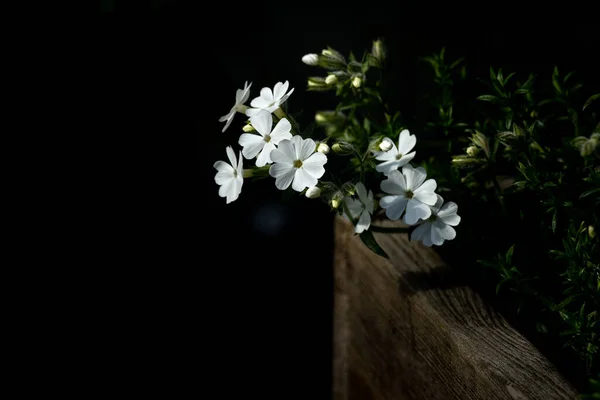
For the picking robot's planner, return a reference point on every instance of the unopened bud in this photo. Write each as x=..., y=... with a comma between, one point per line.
x=342, y=148
x=472, y=151
x=335, y=203
x=356, y=82
x=591, y=231
x=323, y=148
x=319, y=117
x=310, y=59
x=349, y=189
x=248, y=173
x=313, y=192
x=331, y=80
x=378, y=50
x=327, y=53
x=386, y=144
x=248, y=128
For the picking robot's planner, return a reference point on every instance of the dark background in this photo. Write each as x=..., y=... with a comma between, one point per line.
x=255, y=275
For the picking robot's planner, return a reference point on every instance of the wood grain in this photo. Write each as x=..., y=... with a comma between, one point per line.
x=404, y=328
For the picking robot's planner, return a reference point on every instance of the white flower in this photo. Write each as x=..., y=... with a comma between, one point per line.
x=331, y=79
x=241, y=96
x=230, y=176
x=438, y=227
x=270, y=100
x=356, y=82
x=313, y=192
x=297, y=163
x=310, y=59
x=409, y=191
x=397, y=156
x=263, y=144
x=361, y=208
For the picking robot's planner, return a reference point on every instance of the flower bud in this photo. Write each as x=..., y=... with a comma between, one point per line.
x=591, y=231
x=386, y=144
x=378, y=50
x=323, y=148
x=331, y=80
x=248, y=128
x=327, y=53
x=335, y=202
x=356, y=82
x=313, y=192
x=349, y=189
x=342, y=148
x=319, y=117
x=472, y=151
x=310, y=59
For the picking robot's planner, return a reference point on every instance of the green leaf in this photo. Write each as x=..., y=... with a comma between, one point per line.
x=509, y=254
x=588, y=192
x=508, y=77
x=369, y=240
x=589, y=101
x=555, y=80
x=492, y=74
x=487, y=97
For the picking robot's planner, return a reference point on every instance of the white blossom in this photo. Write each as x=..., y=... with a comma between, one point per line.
x=386, y=144
x=410, y=192
x=241, y=96
x=361, y=208
x=323, y=148
x=263, y=144
x=399, y=156
x=270, y=100
x=439, y=226
x=297, y=163
x=230, y=176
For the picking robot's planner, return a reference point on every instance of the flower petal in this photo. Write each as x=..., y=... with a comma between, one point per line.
x=303, y=180
x=361, y=190
x=280, y=89
x=364, y=222
x=370, y=204
x=222, y=166
x=240, y=167
x=264, y=157
x=252, y=144
x=284, y=153
x=281, y=131
x=394, y=184
x=227, y=116
x=421, y=232
x=425, y=192
x=387, y=167
x=305, y=148
x=222, y=178
x=355, y=206
x=406, y=159
x=394, y=206
x=416, y=210
x=414, y=176
x=448, y=214
x=436, y=237
x=252, y=111
x=446, y=231
x=231, y=155
x=283, y=174
x=262, y=121
x=406, y=142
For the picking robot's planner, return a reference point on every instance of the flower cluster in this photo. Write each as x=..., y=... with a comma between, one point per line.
x=272, y=139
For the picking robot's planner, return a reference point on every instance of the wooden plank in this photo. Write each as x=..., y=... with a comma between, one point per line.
x=404, y=329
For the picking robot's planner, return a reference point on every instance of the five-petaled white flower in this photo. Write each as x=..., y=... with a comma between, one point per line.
x=438, y=227
x=263, y=144
x=399, y=156
x=409, y=191
x=361, y=208
x=241, y=96
x=297, y=163
x=270, y=100
x=230, y=177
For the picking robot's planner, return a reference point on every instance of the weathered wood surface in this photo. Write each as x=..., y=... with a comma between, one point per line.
x=404, y=330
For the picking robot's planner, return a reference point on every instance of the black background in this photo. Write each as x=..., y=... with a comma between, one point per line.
x=254, y=298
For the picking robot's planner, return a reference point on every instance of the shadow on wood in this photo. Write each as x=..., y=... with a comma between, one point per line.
x=405, y=328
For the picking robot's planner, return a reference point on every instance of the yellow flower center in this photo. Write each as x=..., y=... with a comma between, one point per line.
x=297, y=164
x=409, y=194
x=399, y=156
x=267, y=138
